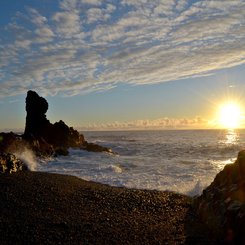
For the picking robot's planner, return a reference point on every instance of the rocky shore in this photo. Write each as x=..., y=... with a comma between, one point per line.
x=42, y=208
x=41, y=136
x=222, y=204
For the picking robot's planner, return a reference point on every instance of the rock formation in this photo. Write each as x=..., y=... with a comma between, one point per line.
x=43, y=137
x=36, y=121
x=39, y=128
x=222, y=204
x=9, y=142
x=10, y=164
x=46, y=137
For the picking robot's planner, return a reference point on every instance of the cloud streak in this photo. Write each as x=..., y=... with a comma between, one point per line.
x=154, y=124
x=86, y=46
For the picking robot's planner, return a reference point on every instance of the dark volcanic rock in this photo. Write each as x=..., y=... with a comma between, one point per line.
x=43, y=135
x=12, y=143
x=222, y=204
x=8, y=141
x=10, y=164
x=36, y=121
x=95, y=148
x=46, y=138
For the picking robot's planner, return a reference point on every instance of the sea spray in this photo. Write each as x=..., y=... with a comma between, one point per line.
x=184, y=161
x=28, y=157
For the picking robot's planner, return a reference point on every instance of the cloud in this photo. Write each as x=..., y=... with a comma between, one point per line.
x=156, y=124
x=36, y=18
x=44, y=34
x=67, y=23
x=92, y=2
x=86, y=46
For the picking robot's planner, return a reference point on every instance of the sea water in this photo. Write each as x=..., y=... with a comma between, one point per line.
x=183, y=161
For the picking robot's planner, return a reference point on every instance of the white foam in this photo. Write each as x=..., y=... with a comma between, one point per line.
x=28, y=157
x=179, y=161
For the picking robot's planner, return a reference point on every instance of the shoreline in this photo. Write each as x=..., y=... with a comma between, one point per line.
x=46, y=208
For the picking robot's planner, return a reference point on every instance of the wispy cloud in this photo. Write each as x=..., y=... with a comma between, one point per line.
x=92, y=45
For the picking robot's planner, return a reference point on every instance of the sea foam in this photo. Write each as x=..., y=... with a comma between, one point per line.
x=181, y=161
x=28, y=157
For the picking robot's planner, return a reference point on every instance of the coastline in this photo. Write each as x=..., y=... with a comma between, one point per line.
x=45, y=208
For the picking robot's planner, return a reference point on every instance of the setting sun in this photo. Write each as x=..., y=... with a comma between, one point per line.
x=230, y=115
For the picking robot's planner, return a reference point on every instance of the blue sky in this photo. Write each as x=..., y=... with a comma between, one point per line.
x=122, y=64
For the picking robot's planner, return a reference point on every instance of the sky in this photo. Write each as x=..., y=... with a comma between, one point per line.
x=126, y=64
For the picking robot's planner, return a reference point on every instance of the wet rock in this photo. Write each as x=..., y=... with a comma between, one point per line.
x=40, y=147
x=9, y=142
x=95, y=148
x=61, y=151
x=64, y=136
x=43, y=137
x=10, y=164
x=222, y=204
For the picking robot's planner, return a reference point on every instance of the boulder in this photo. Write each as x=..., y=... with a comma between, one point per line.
x=222, y=204
x=10, y=164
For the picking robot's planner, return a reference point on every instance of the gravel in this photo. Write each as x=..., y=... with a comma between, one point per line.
x=44, y=208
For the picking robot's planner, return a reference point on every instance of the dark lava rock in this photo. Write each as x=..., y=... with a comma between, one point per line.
x=49, y=138
x=38, y=126
x=222, y=204
x=43, y=137
x=36, y=121
x=95, y=148
x=61, y=151
x=9, y=142
x=10, y=164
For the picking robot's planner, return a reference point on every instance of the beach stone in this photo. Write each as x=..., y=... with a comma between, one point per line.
x=222, y=204
x=10, y=164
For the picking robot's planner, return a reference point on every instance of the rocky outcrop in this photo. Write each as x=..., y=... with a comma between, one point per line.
x=10, y=164
x=43, y=137
x=36, y=121
x=95, y=148
x=222, y=204
x=46, y=138
x=38, y=127
x=10, y=142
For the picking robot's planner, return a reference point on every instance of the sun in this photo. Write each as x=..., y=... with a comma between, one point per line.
x=230, y=115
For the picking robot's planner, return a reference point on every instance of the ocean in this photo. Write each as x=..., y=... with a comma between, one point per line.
x=183, y=161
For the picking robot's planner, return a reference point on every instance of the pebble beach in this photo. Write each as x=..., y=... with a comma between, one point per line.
x=44, y=208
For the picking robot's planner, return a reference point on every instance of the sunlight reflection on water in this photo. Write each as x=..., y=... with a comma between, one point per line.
x=232, y=137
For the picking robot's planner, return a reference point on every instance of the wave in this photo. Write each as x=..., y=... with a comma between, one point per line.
x=184, y=162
